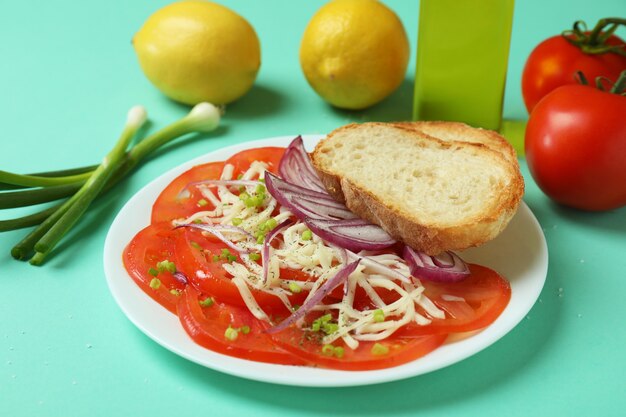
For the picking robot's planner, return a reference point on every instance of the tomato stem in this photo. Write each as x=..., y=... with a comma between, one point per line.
x=620, y=85
x=594, y=42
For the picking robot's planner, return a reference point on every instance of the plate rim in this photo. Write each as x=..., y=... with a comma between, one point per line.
x=287, y=374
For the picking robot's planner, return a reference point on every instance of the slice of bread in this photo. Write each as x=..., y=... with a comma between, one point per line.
x=449, y=192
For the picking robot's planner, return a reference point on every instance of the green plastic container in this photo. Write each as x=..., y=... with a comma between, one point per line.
x=462, y=57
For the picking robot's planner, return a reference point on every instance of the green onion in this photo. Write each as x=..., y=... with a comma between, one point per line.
x=86, y=183
x=244, y=329
x=175, y=292
x=294, y=288
x=307, y=235
x=202, y=202
x=27, y=221
x=255, y=256
x=195, y=245
x=166, y=266
x=339, y=352
x=379, y=316
x=25, y=198
x=271, y=223
x=328, y=350
x=231, y=334
x=207, y=302
x=237, y=221
x=155, y=283
x=379, y=349
x=153, y=272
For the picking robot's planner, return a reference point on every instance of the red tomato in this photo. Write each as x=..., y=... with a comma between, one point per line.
x=207, y=326
x=403, y=346
x=153, y=244
x=484, y=294
x=555, y=61
x=576, y=147
x=177, y=200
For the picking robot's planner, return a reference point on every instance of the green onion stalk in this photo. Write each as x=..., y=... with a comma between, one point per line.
x=84, y=185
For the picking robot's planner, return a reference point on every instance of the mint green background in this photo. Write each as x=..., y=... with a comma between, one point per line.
x=68, y=75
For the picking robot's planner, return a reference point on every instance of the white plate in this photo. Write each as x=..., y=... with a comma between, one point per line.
x=519, y=253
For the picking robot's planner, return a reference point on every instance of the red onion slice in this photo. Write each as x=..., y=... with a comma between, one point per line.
x=296, y=167
x=351, y=234
x=319, y=295
x=446, y=267
x=305, y=203
x=265, y=253
x=180, y=277
x=215, y=230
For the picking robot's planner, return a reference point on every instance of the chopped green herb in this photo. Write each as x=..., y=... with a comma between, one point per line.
x=196, y=245
x=307, y=235
x=260, y=239
x=260, y=189
x=240, y=176
x=255, y=256
x=197, y=221
x=231, y=258
x=244, y=196
x=155, y=283
x=271, y=223
x=231, y=334
x=244, y=329
x=166, y=266
x=202, y=202
x=215, y=258
x=330, y=328
x=339, y=351
x=316, y=326
x=379, y=349
x=328, y=350
x=262, y=180
x=379, y=316
x=175, y=292
x=207, y=302
x=153, y=272
x=295, y=288
x=225, y=253
x=324, y=323
x=237, y=221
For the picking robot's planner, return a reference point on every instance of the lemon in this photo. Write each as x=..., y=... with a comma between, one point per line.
x=354, y=53
x=197, y=51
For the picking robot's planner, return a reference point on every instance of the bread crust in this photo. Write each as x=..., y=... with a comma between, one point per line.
x=430, y=238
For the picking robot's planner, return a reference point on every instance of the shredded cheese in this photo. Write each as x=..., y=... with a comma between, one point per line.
x=316, y=258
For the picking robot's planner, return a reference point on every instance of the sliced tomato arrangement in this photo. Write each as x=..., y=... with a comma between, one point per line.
x=213, y=313
x=229, y=329
x=179, y=199
x=156, y=243
x=470, y=304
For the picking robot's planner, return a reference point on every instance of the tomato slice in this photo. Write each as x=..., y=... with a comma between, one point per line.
x=242, y=160
x=471, y=304
x=179, y=201
x=155, y=243
x=207, y=326
x=401, y=347
x=194, y=254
